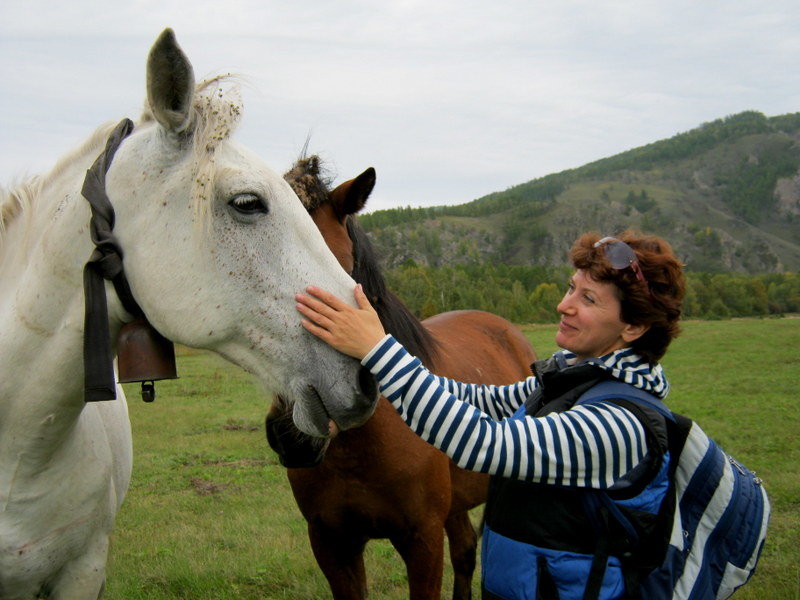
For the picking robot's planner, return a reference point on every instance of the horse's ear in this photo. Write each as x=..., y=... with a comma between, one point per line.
x=170, y=83
x=350, y=197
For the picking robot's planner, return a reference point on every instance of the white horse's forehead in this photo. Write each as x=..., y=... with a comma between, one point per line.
x=237, y=153
x=231, y=168
x=237, y=163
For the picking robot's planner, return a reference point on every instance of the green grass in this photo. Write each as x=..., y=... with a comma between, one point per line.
x=210, y=515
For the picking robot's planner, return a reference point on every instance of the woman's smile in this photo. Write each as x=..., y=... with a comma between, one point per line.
x=565, y=329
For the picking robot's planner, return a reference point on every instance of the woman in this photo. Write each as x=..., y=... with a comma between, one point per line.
x=550, y=530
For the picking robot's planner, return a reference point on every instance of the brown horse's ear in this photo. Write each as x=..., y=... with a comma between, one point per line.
x=350, y=197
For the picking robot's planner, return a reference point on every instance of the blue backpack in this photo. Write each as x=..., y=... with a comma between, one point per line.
x=720, y=515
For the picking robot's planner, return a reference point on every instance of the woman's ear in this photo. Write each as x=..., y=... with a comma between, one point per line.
x=632, y=333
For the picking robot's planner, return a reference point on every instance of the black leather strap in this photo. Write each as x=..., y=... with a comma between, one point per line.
x=105, y=263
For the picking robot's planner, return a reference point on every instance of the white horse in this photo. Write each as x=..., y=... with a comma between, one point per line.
x=215, y=246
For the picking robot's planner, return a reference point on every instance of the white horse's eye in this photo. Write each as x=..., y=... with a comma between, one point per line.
x=248, y=204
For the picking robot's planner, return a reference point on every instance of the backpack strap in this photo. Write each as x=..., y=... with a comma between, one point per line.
x=599, y=504
x=654, y=416
x=613, y=390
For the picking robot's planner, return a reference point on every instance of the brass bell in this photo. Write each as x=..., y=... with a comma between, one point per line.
x=143, y=354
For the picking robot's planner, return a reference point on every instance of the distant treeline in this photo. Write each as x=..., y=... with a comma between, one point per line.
x=529, y=294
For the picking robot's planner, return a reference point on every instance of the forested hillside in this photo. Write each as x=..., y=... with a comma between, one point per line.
x=727, y=195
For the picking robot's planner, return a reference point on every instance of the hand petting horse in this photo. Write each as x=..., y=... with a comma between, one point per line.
x=381, y=480
x=212, y=244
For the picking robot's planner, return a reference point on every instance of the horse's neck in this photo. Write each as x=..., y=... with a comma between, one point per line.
x=398, y=320
x=41, y=308
x=395, y=316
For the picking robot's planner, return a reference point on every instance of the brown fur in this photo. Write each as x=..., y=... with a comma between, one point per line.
x=308, y=182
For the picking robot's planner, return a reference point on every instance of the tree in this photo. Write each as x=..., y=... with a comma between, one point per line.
x=544, y=300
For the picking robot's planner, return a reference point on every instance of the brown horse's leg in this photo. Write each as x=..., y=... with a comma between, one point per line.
x=341, y=557
x=463, y=546
x=423, y=553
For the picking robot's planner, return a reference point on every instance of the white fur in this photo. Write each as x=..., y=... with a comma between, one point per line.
x=204, y=276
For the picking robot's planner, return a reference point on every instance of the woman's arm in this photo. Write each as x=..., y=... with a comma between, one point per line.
x=587, y=446
x=394, y=368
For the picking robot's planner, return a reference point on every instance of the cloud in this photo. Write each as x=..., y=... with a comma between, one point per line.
x=448, y=100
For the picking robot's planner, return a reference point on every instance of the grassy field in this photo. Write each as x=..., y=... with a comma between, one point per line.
x=210, y=515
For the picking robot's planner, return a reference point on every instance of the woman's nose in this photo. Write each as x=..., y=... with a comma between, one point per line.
x=564, y=306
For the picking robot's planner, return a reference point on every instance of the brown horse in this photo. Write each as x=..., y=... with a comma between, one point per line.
x=381, y=480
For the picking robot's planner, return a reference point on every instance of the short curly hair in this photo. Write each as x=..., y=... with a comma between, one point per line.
x=656, y=303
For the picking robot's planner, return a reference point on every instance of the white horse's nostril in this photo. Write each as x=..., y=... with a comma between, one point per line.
x=367, y=385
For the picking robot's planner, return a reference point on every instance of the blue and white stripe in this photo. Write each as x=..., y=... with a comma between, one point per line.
x=629, y=367
x=591, y=445
x=716, y=537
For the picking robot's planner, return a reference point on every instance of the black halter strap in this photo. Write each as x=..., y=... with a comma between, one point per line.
x=104, y=263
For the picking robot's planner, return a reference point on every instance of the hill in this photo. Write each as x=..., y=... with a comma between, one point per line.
x=726, y=195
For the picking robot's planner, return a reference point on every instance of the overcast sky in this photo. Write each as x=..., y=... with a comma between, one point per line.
x=448, y=99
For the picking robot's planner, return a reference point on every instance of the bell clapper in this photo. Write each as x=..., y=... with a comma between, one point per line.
x=148, y=391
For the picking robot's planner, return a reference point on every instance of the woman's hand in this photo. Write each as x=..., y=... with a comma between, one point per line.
x=352, y=331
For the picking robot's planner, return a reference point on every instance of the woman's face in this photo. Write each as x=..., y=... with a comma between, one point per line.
x=590, y=318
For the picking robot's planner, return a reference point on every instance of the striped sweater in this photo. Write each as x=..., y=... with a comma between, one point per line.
x=591, y=445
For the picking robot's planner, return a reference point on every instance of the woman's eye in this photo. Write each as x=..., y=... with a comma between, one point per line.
x=588, y=298
x=248, y=204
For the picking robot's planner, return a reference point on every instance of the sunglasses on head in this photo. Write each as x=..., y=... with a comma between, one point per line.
x=621, y=256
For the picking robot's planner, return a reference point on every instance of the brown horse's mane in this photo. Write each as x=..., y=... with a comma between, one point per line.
x=311, y=183
x=395, y=316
